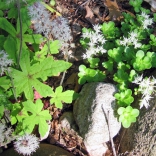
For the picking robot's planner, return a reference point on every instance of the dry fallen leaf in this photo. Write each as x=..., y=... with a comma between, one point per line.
x=114, y=11
x=90, y=15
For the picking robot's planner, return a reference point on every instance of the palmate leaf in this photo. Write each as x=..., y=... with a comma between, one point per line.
x=37, y=117
x=58, y=96
x=25, y=80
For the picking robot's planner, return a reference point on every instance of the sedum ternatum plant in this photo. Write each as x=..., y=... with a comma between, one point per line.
x=125, y=52
x=25, y=71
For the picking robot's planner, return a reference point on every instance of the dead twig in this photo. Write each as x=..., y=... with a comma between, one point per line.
x=108, y=123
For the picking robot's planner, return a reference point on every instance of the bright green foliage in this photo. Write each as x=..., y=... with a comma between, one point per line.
x=116, y=54
x=17, y=113
x=4, y=102
x=58, y=97
x=52, y=2
x=154, y=18
x=124, y=97
x=109, y=30
x=120, y=76
x=108, y=65
x=12, y=41
x=5, y=82
x=37, y=116
x=93, y=62
x=153, y=40
x=127, y=115
x=7, y=26
x=136, y=4
x=89, y=75
x=142, y=61
x=28, y=78
x=53, y=47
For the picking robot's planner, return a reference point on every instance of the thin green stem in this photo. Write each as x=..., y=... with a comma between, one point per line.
x=12, y=84
x=20, y=35
x=51, y=9
x=48, y=45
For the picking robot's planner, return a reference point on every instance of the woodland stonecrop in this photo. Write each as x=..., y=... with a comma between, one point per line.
x=127, y=51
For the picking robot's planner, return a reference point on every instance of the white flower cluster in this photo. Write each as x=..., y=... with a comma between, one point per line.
x=62, y=32
x=96, y=41
x=146, y=87
x=132, y=40
x=40, y=18
x=147, y=21
x=58, y=28
x=4, y=61
x=5, y=135
x=26, y=144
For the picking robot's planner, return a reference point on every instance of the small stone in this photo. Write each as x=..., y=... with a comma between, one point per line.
x=67, y=121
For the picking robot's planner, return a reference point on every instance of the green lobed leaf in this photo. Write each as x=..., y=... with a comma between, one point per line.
x=32, y=38
x=54, y=47
x=37, y=117
x=28, y=78
x=58, y=97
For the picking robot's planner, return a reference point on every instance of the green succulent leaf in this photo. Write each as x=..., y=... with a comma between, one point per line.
x=126, y=123
x=93, y=62
x=121, y=76
x=142, y=61
x=140, y=54
x=89, y=75
x=135, y=112
x=121, y=110
x=116, y=54
x=108, y=65
x=153, y=40
x=124, y=97
x=127, y=115
x=109, y=30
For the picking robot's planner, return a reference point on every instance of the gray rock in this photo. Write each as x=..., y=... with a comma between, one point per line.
x=153, y=4
x=95, y=104
x=44, y=150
